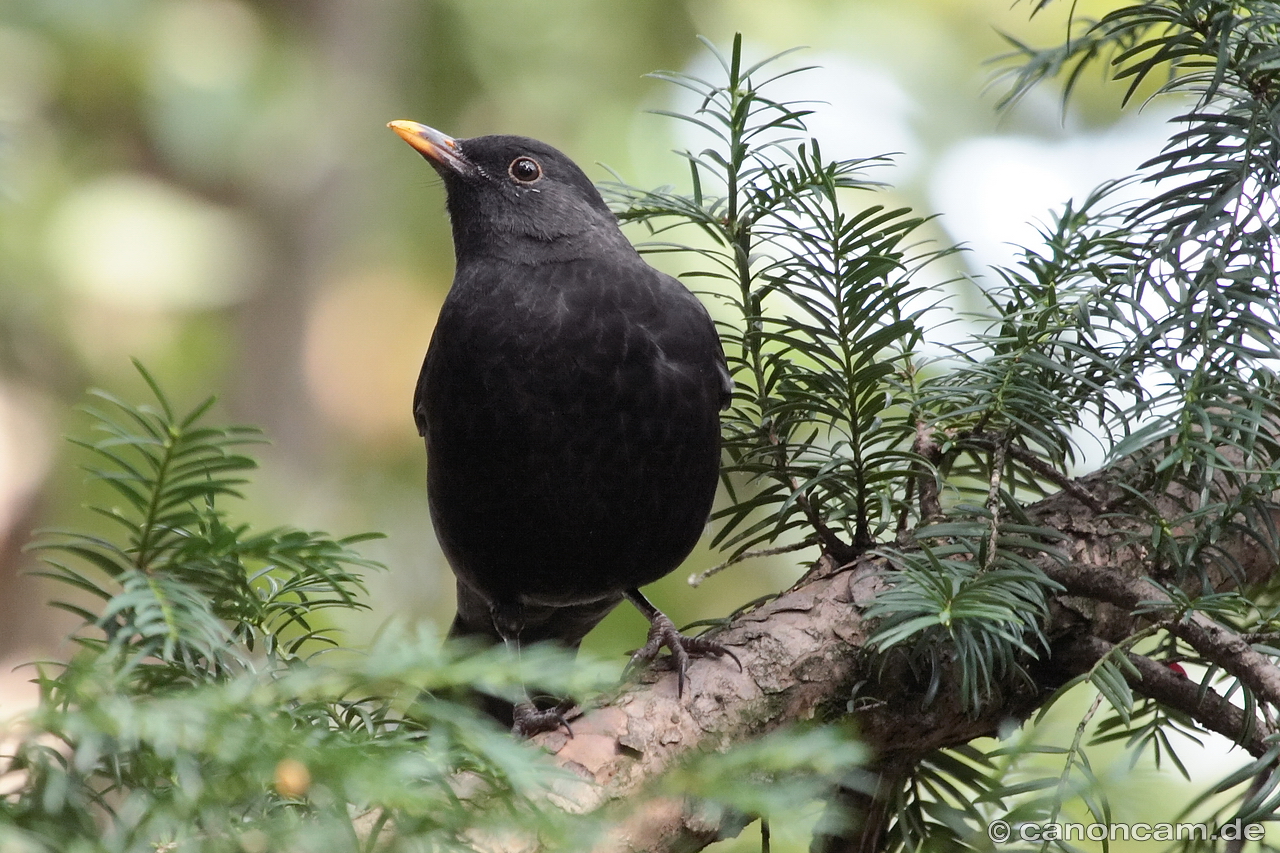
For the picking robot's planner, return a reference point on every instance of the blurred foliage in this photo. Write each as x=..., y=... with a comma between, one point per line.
x=206, y=709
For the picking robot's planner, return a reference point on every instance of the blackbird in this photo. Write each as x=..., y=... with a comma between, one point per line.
x=570, y=402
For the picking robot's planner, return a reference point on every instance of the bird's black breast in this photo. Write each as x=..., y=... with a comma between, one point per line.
x=571, y=414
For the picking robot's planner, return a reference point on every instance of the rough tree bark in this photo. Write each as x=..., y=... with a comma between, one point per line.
x=803, y=653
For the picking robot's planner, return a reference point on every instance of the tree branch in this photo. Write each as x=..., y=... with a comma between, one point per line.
x=803, y=653
x=1041, y=469
x=1156, y=681
x=1214, y=641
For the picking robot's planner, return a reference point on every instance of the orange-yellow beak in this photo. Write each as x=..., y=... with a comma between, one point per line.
x=440, y=149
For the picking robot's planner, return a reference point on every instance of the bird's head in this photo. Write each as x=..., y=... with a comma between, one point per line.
x=514, y=197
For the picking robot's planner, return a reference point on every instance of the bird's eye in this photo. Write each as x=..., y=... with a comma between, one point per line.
x=525, y=170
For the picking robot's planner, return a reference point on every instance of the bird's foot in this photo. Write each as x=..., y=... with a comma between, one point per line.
x=663, y=634
x=530, y=720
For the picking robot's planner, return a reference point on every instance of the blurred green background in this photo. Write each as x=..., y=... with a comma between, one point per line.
x=209, y=186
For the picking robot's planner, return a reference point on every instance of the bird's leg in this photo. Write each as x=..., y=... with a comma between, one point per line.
x=530, y=720
x=527, y=718
x=663, y=634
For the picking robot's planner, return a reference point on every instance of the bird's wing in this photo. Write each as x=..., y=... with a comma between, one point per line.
x=687, y=333
x=419, y=404
x=726, y=381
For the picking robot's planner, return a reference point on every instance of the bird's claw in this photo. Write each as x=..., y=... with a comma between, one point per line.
x=530, y=720
x=663, y=634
